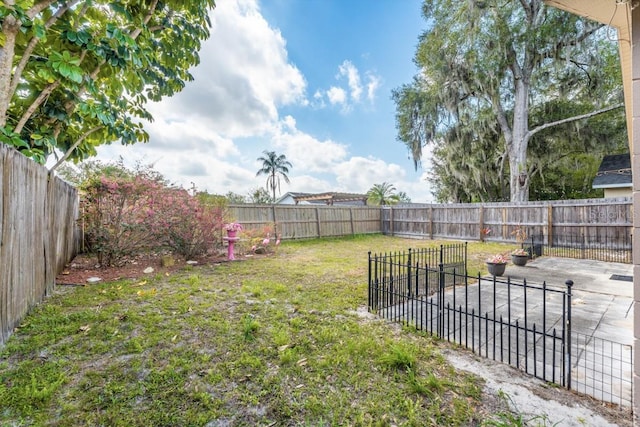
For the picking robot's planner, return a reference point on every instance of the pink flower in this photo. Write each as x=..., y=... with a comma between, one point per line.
x=233, y=226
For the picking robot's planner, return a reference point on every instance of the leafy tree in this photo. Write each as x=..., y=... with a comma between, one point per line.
x=260, y=196
x=235, y=198
x=75, y=74
x=382, y=194
x=274, y=167
x=403, y=197
x=484, y=67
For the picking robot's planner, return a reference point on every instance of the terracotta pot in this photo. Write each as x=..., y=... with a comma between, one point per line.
x=496, y=269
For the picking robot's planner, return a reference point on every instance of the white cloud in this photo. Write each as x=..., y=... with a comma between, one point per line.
x=351, y=95
x=353, y=78
x=361, y=173
x=305, y=152
x=337, y=95
x=244, y=75
x=373, y=84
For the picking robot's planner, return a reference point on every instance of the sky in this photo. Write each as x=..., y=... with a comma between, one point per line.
x=310, y=79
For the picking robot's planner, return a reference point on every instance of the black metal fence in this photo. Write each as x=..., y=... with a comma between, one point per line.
x=525, y=325
x=597, y=247
x=602, y=368
x=406, y=269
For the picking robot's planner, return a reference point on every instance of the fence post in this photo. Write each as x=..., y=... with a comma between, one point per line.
x=441, y=285
x=569, y=284
x=465, y=260
x=409, y=272
x=353, y=231
x=369, y=283
x=391, y=220
x=481, y=221
x=318, y=222
x=550, y=225
x=431, y=222
x=275, y=221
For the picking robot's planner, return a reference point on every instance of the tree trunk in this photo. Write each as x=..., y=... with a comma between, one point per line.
x=10, y=28
x=519, y=178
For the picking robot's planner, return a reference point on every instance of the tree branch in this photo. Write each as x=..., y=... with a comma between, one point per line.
x=502, y=121
x=40, y=99
x=152, y=9
x=570, y=119
x=74, y=146
x=527, y=8
x=35, y=104
x=39, y=7
x=17, y=73
x=565, y=43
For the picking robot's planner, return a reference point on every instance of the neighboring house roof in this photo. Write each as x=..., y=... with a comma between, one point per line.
x=290, y=194
x=332, y=198
x=614, y=172
x=329, y=198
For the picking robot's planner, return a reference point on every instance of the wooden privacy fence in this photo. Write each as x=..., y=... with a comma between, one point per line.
x=301, y=222
x=595, y=219
x=38, y=234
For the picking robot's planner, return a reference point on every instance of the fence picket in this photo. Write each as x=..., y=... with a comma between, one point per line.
x=38, y=234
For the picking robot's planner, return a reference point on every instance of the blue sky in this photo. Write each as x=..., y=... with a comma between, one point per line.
x=311, y=79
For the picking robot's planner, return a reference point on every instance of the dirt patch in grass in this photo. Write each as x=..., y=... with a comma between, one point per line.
x=86, y=266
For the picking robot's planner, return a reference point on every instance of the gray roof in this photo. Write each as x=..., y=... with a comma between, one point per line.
x=615, y=171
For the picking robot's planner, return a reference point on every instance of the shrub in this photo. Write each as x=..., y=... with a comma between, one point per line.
x=129, y=212
x=114, y=211
x=183, y=223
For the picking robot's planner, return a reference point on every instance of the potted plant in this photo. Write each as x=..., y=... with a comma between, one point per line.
x=497, y=264
x=520, y=257
x=233, y=228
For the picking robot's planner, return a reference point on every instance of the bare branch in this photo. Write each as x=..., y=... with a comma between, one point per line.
x=74, y=146
x=570, y=119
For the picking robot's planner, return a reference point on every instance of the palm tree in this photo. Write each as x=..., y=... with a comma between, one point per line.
x=274, y=166
x=382, y=194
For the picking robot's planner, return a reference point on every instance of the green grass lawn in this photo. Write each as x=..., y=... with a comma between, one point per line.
x=271, y=341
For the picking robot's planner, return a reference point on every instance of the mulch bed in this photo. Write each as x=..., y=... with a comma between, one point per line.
x=84, y=267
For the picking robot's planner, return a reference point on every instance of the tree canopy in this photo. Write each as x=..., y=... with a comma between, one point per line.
x=492, y=76
x=385, y=194
x=274, y=166
x=75, y=74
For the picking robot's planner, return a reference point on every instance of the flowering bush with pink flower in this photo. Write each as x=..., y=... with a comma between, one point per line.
x=133, y=212
x=184, y=224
